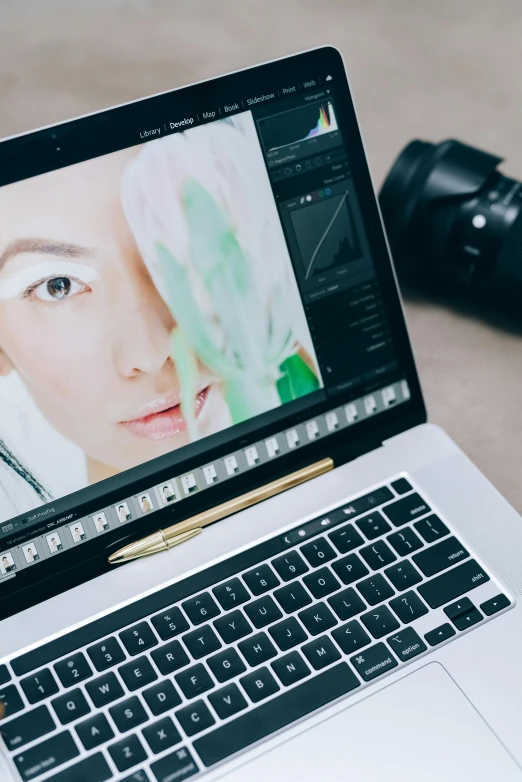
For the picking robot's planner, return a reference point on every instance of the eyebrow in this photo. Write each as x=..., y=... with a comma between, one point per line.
x=45, y=247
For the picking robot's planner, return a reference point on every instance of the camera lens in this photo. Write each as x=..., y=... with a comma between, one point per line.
x=453, y=219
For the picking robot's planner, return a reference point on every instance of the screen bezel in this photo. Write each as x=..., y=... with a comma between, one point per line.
x=108, y=131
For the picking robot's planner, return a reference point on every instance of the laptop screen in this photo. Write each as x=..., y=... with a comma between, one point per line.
x=189, y=291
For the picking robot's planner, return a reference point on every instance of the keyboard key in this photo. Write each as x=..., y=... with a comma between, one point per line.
x=320, y=652
x=227, y=701
x=440, y=634
x=28, y=727
x=377, y=555
x=350, y=568
x=495, y=604
x=201, y=642
x=375, y=589
x=403, y=575
x=11, y=700
x=453, y=584
x=232, y=627
x=39, y=686
x=317, y=618
x=138, y=638
x=226, y=665
x=289, y=566
x=346, y=539
x=290, y=669
x=288, y=633
x=170, y=623
x=351, y=636
x=70, y=706
x=465, y=617
x=201, y=608
x=194, y=681
x=402, y=511
x=93, y=769
x=408, y=607
x=368, y=502
x=261, y=579
x=170, y=657
x=195, y=718
x=405, y=541
x=161, y=735
x=127, y=753
x=318, y=552
x=263, y=612
x=94, y=731
x=105, y=689
x=321, y=583
x=431, y=528
x=161, y=697
x=178, y=766
x=140, y=775
x=73, y=670
x=292, y=597
x=347, y=603
x=106, y=654
x=380, y=621
x=406, y=644
x=441, y=556
x=401, y=486
x=259, y=684
x=373, y=526
x=231, y=594
x=128, y=714
x=275, y=714
x=257, y=649
x=46, y=756
x=373, y=662
x=5, y=676
x=138, y=673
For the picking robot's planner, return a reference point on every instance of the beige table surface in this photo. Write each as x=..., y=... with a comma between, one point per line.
x=418, y=68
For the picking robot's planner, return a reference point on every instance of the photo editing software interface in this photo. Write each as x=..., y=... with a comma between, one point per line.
x=207, y=283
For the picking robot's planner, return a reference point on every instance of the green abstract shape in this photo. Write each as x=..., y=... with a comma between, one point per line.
x=297, y=379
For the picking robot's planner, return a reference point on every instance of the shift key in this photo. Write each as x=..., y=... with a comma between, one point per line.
x=455, y=583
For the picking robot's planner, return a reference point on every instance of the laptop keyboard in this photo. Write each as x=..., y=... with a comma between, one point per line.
x=182, y=679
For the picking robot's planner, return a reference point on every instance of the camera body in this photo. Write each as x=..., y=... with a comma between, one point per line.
x=454, y=221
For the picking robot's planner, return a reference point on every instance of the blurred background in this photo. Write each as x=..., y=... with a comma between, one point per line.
x=430, y=69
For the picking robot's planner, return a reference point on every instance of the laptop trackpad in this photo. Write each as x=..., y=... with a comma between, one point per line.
x=420, y=728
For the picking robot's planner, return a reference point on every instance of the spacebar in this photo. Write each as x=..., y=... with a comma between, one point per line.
x=276, y=714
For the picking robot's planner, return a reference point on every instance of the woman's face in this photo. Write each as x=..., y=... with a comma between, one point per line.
x=82, y=322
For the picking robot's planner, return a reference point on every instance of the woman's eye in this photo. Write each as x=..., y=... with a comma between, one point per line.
x=56, y=289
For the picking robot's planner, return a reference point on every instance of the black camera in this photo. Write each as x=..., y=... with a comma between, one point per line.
x=454, y=221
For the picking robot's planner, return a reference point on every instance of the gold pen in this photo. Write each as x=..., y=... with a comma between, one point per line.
x=165, y=539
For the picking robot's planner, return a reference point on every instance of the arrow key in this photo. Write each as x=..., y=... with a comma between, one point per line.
x=495, y=604
x=440, y=634
x=468, y=619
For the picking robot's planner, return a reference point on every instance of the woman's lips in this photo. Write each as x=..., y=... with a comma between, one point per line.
x=164, y=420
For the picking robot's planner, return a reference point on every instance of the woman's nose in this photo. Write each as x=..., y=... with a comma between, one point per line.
x=144, y=333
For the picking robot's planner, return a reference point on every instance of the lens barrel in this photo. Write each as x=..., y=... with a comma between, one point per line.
x=453, y=219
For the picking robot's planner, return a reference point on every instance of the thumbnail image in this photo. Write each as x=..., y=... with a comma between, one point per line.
x=145, y=502
x=123, y=512
x=77, y=532
x=332, y=421
x=312, y=430
x=292, y=438
x=389, y=396
x=54, y=542
x=252, y=456
x=30, y=553
x=7, y=564
x=168, y=493
x=272, y=447
x=189, y=483
x=370, y=405
x=210, y=474
x=231, y=465
x=351, y=413
x=100, y=522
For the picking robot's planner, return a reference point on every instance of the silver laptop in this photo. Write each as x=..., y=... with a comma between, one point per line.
x=230, y=543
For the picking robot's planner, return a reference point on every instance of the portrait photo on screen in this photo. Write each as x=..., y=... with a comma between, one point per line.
x=147, y=300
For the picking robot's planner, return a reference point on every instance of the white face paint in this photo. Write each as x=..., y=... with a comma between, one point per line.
x=16, y=284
